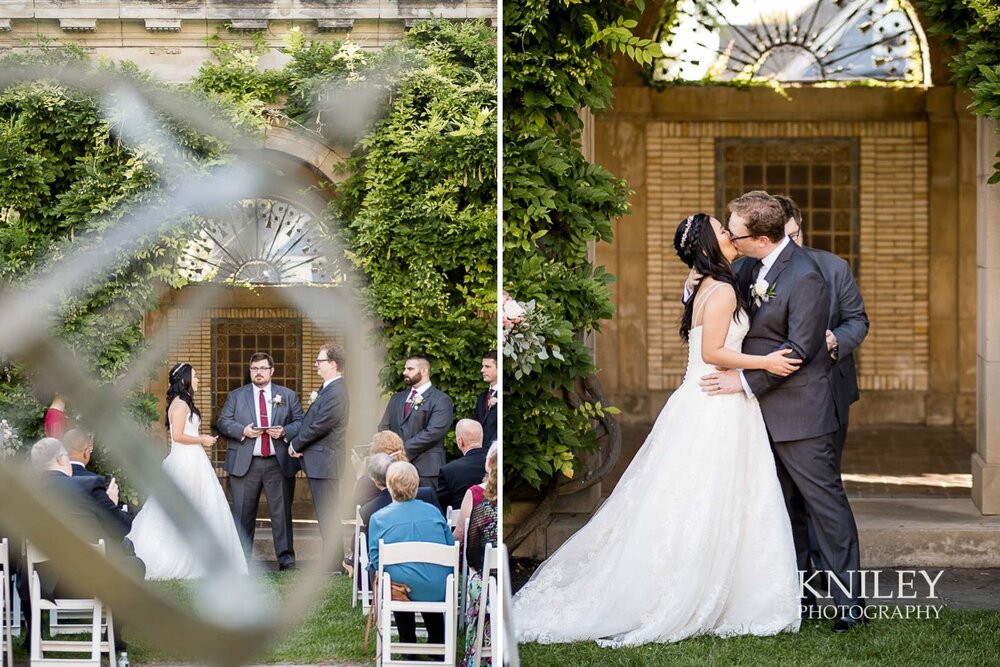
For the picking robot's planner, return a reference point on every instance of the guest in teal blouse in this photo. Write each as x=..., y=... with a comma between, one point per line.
x=411, y=520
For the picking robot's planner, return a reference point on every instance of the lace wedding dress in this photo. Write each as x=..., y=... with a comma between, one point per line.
x=695, y=538
x=166, y=552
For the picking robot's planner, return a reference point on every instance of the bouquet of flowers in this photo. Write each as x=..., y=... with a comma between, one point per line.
x=10, y=440
x=525, y=327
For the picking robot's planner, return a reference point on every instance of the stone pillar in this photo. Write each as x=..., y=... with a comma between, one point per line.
x=986, y=460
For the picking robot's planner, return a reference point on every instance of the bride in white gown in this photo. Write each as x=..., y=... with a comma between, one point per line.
x=165, y=552
x=695, y=539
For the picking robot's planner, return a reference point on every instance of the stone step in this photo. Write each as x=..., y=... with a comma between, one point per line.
x=926, y=532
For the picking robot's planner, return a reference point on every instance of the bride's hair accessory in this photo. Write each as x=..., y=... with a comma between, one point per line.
x=687, y=228
x=174, y=374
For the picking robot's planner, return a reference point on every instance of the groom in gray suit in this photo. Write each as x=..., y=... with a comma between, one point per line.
x=421, y=415
x=790, y=309
x=258, y=420
x=320, y=441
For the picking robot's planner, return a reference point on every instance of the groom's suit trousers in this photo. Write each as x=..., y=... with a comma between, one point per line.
x=810, y=481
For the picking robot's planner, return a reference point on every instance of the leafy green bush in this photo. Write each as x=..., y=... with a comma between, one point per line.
x=556, y=62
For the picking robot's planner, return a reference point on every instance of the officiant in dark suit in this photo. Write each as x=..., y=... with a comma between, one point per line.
x=320, y=442
x=421, y=415
x=259, y=420
x=486, y=404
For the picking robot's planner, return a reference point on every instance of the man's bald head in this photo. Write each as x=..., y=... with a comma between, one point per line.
x=79, y=445
x=468, y=434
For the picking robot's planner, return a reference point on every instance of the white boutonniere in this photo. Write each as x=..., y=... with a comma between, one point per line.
x=417, y=401
x=761, y=292
x=313, y=396
x=276, y=399
x=492, y=402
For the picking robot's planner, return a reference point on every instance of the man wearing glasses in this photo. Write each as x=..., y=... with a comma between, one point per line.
x=320, y=444
x=258, y=420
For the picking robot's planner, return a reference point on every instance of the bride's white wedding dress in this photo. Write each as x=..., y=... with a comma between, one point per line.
x=165, y=552
x=695, y=538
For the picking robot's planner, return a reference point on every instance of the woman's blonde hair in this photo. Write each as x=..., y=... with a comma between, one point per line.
x=387, y=442
x=402, y=480
x=490, y=481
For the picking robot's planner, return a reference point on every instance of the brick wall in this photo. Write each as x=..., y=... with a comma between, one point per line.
x=893, y=274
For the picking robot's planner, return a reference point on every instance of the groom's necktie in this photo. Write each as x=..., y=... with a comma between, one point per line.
x=265, y=439
x=756, y=270
x=409, y=403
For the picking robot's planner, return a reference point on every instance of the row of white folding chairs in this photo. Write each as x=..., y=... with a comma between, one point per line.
x=490, y=573
x=68, y=616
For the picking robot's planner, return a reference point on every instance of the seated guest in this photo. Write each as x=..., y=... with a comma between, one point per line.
x=383, y=442
x=50, y=457
x=474, y=495
x=456, y=477
x=482, y=531
x=410, y=520
x=80, y=446
x=377, y=466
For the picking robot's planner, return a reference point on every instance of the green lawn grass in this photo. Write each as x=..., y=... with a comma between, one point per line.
x=332, y=631
x=956, y=638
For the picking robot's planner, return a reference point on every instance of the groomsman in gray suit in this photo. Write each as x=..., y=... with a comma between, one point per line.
x=846, y=329
x=421, y=415
x=848, y=324
x=320, y=441
x=258, y=420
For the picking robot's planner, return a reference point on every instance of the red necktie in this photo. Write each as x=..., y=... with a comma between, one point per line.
x=489, y=398
x=265, y=439
x=409, y=402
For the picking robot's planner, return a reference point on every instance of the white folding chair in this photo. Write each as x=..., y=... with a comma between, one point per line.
x=355, y=587
x=6, y=641
x=492, y=592
x=463, y=602
x=362, y=563
x=489, y=582
x=416, y=552
x=451, y=516
x=99, y=621
x=510, y=655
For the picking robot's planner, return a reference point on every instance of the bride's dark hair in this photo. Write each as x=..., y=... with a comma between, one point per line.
x=697, y=247
x=180, y=387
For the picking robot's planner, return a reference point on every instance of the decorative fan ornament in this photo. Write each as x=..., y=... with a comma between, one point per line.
x=793, y=41
x=260, y=241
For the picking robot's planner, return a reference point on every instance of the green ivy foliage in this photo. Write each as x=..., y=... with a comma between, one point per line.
x=975, y=26
x=556, y=62
x=65, y=179
x=418, y=212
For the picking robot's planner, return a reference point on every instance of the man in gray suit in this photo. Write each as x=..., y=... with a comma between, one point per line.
x=846, y=329
x=258, y=420
x=848, y=324
x=792, y=311
x=421, y=416
x=320, y=442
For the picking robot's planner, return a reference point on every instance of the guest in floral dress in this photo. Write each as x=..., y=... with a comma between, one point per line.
x=482, y=531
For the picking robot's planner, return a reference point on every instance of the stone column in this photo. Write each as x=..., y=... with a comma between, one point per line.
x=986, y=460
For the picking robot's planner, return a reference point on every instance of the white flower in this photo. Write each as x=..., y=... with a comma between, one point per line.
x=761, y=292
x=416, y=402
x=276, y=400
x=512, y=309
x=313, y=396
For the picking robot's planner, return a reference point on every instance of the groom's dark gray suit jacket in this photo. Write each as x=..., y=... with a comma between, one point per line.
x=848, y=322
x=239, y=411
x=801, y=405
x=322, y=435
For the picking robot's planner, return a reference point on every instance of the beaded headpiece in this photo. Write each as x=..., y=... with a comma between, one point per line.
x=687, y=228
x=175, y=370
